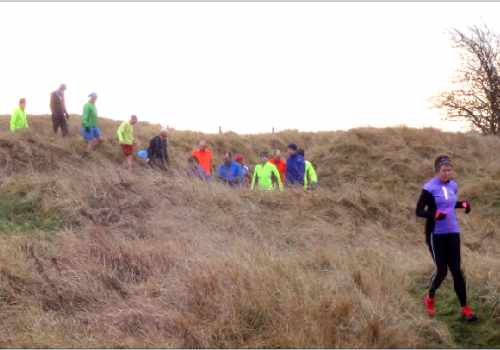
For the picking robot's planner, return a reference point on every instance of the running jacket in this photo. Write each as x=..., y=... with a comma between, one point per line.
x=310, y=176
x=438, y=195
x=89, y=117
x=204, y=159
x=125, y=133
x=295, y=168
x=281, y=165
x=232, y=173
x=158, y=148
x=265, y=176
x=18, y=120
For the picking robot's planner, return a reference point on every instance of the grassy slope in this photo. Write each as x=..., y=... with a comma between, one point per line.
x=93, y=256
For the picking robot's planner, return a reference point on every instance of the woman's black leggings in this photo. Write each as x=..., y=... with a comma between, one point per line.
x=446, y=253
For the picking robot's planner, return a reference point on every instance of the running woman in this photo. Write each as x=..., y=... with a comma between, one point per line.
x=437, y=204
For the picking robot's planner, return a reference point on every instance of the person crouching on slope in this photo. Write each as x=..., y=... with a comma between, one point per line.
x=230, y=171
x=125, y=135
x=295, y=167
x=18, y=119
x=157, y=151
x=266, y=175
x=437, y=204
x=90, y=132
x=310, y=176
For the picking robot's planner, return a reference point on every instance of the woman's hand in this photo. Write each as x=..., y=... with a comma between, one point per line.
x=440, y=215
x=466, y=206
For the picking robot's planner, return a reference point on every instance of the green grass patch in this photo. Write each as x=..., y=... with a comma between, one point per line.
x=482, y=334
x=22, y=212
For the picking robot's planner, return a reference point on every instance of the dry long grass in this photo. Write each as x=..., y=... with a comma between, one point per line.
x=153, y=260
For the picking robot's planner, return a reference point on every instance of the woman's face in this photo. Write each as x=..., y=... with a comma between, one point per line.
x=445, y=173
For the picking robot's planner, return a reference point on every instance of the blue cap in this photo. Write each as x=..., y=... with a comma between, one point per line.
x=94, y=95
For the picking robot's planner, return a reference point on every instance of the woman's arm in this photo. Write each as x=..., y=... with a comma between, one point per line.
x=426, y=206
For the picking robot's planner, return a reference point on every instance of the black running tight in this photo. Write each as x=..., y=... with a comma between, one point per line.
x=446, y=252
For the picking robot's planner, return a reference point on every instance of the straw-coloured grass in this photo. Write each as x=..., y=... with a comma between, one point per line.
x=156, y=260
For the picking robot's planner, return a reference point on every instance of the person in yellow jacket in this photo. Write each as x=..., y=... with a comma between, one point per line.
x=266, y=175
x=310, y=175
x=18, y=119
x=125, y=135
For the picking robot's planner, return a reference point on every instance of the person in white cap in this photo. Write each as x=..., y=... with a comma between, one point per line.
x=89, y=130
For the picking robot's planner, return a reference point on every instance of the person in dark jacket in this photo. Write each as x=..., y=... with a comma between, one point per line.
x=58, y=109
x=157, y=151
x=438, y=203
x=295, y=166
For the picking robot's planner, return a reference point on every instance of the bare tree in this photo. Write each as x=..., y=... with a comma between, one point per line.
x=475, y=97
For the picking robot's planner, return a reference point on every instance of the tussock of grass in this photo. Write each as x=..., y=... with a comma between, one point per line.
x=22, y=212
x=154, y=260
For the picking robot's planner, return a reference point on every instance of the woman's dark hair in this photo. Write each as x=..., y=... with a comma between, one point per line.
x=440, y=161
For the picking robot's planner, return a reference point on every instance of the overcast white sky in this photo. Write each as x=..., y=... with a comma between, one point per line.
x=244, y=66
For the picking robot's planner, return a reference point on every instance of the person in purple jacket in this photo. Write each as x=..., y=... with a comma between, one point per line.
x=437, y=204
x=295, y=166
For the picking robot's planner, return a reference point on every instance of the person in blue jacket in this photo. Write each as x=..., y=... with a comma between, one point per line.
x=295, y=167
x=438, y=203
x=230, y=171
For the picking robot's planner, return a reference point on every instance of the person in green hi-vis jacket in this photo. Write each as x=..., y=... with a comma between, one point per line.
x=266, y=175
x=18, y=119
x=90, y=132
x=310, y=175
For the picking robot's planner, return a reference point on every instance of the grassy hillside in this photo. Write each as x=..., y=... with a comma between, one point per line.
x=92, y=256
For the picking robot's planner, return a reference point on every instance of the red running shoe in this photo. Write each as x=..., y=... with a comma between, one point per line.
x=468, y=314
x=429, y=305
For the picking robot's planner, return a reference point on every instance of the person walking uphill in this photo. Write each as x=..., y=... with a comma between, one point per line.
x=295, y=166
x=125, y=135
x=204, y=156
x=58, y=109
x=18, y=119
x=437, y=204
x=89, y=130
x=157, y=151
x=266, y=175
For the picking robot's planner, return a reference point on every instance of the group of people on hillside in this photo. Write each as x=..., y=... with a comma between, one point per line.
x=437, y=203
x=272, y=172
x=157, y=155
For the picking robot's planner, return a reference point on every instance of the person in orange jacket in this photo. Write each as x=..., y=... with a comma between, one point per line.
x=280, y=163
x=204, y=156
